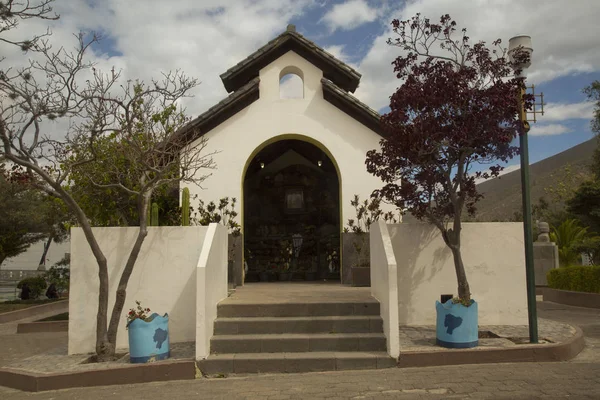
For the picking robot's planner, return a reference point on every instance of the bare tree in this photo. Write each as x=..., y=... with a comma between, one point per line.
x=139, y=123
x=12, y=12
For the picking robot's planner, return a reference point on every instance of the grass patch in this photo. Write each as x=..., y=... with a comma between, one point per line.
x=14, y=305
x=58, y=317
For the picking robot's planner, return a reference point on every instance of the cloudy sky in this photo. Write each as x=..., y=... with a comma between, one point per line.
x=206, y=37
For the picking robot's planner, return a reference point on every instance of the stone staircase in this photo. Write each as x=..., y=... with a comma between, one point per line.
x=294, y=337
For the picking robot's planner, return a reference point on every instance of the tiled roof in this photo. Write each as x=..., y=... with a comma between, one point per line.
x=333, y=69
x=352, y=106
x=242, y=79
x=249, y=93
x=221, y=111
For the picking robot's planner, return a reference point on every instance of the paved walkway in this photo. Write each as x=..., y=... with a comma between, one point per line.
x=19, y=346
x=422, y=338
x=588, y=319
x=506, y=381
x=577, y=379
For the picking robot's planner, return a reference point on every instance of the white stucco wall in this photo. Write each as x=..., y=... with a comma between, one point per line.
x=163, y=279
x=494, y=258
x=211, y=278
x=384, y=284
x=311, y=117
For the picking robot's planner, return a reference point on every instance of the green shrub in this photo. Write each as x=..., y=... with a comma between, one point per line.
x=59, y=274
x=576, y=278
x=37, y=285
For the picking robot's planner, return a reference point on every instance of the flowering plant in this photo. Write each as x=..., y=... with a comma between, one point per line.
x=138, y=313
x=332, y=256
x=286, y=255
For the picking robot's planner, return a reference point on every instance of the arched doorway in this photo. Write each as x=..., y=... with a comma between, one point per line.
x=291, y=213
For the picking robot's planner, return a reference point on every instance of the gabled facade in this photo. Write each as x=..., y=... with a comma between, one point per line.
x=254, y=127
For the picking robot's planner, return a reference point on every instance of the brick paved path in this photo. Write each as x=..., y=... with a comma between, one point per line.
x=506, y=381
x=577, y=379
x=19, y=346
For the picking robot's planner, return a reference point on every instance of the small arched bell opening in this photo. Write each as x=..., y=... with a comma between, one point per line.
x=291, y=83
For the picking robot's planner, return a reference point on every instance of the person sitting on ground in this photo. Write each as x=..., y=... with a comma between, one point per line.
x=51, y=293
x=25, y=292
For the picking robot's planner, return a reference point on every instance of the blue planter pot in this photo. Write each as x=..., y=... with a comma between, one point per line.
x=456, y=325
x=149, y=341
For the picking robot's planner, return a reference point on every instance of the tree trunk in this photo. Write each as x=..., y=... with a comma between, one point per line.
x=46, y=248
x=464, y=292
x=121, y=294
x=452, y=239
x=103, y=347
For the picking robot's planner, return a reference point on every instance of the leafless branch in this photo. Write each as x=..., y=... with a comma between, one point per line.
x=11, y=12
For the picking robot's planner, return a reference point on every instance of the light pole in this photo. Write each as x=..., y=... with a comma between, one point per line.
x=524, y=42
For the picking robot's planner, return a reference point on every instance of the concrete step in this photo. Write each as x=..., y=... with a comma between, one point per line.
x=293, y=362
x=228, y=310
x=297, y=343
x=329, y=324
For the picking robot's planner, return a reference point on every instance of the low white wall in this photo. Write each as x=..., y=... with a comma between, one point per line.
x=384, y=285
x=163, y=279
x=211, y=278
x=494, y=258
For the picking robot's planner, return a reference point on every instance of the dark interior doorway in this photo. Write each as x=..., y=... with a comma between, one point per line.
x=291, y=214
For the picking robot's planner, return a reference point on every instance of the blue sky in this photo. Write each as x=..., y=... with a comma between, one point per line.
x=205, y=38
x=565, y=89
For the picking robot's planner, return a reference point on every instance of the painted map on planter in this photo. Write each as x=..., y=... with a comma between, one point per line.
x=160, y=335
x=451, y=323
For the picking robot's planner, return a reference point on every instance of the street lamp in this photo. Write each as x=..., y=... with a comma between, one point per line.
x=524, y=42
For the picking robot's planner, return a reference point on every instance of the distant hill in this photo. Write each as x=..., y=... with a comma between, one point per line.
x=502, y=195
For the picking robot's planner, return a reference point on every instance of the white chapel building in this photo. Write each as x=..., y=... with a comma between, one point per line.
x=293, y=164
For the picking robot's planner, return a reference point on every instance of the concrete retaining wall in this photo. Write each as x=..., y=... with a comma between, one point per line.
x=44, y=326
x=577, y=299
x=59, y=307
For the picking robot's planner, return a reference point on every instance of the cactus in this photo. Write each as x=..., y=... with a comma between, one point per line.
x=185, y=207
x=154, y=217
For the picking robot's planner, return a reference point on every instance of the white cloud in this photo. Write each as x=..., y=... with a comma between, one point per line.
x=205, y=38
x=337, y=51
x=564, y=37
x=202, y=38
x=349, y=15
x=549, y=130
x=563, y=111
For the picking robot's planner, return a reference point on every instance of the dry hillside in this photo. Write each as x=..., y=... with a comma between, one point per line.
x=503, y=194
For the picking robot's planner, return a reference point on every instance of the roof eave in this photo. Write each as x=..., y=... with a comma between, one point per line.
x=352, y=106
x=336, y=71
x=222, y=111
